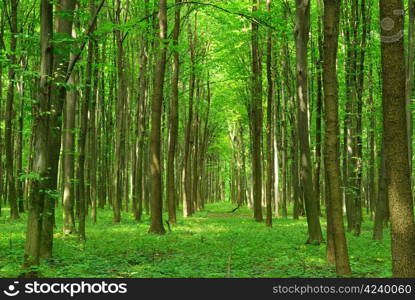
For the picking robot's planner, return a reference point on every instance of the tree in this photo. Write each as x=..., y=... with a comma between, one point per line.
x=138, y=177
x=156, y=194
x=396, y=139
x=9, y=136
x=69, y=127
x=120, y=135
x=256, y=117
x=38, y=194
x=270, y=101
x=335, y=227
x=186, y=174
x=311, y=204
x=173, y=119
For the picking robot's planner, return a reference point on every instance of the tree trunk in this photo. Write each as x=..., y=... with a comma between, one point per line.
x=173, y=120
x=382, y=200
x=319, y=109
x=58, y=96
x=396, y=139
x=156, y=192
x=37, y=195
x=256, y=119
x=9, y=136
x=186, y=175
x=269, y=166
x=69, y=159
x=68, y=133
x=302, y=32
x=120, y=135
x=92, y=133
x=331, y=157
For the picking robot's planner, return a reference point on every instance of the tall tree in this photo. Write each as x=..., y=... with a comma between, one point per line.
x=9, y=134
x=137, y=202
x=121, y=122
x=68, y=133
x=173, y=119
x=270, y=92
x=160, y=68
x=335, y=227
x=396, y=139
x=256, y=116
x=38, y=195
x=306, y=175
x=186, y=174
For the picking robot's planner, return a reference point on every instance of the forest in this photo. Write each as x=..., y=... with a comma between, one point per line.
x=207, y=139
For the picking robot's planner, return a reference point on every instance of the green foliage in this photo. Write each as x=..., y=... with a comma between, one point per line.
x=213, y=243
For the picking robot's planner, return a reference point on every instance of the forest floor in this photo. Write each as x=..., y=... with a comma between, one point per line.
x=213, y=243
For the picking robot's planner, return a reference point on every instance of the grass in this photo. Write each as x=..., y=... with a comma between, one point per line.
x=213, y=243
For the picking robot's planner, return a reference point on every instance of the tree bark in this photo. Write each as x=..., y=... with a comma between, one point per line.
x=410, y=79
x=331, y=157
x=69, y=158
x=311, y=205
x=156, y=192
x=269, y=166
x=173, y=119
x=120, y=135
x=37, y=195
x=68, y=132
x=9, y=134
x=396, y=139
x=186, y=174
x=256, y=119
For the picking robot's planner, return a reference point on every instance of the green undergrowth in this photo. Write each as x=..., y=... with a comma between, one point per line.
x=213, y=243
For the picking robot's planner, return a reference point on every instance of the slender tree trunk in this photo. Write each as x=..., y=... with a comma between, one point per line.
x=19, y=146
x=37, y=195
x=319, y=109
x=382, y=200
x=359, y=132
x=256, y=119
x=69, y=158
x=270, y=91
x=284, y=162
x=141, y=112
x=82, y=194
x=311, y=204
x=69, y=136
x=173, y=120
x=349, y=161
x=186, y=175
x=120, y=135
x=276, y=154
x=92, y=134
x=331, y=157
x=9, y=135
x=156, y=188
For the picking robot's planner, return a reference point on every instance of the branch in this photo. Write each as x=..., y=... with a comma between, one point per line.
x=250, y=18
x=90, y=30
